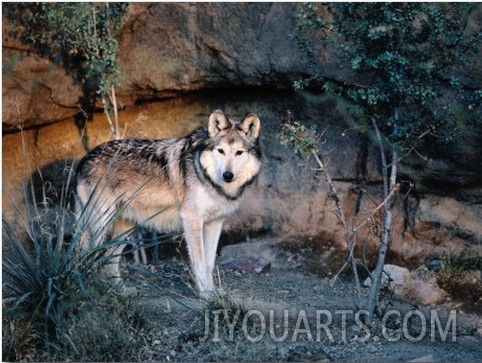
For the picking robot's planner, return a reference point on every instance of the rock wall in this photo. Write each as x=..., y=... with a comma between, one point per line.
x=288, y=200
x=166, y=49
x=34, y=90
x=243, y=50
x=206, y=45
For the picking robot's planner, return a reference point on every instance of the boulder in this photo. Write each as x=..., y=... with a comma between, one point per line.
x=395, y=277
x=400, y=280
x=425, y=293
x=263, y=250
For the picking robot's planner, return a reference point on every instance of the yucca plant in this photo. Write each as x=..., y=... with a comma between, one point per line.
x=49, y=282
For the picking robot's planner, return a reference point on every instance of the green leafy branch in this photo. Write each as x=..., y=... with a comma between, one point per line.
x=80, y=36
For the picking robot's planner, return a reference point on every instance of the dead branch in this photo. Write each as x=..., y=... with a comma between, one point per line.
x=114, y=125
x=349, y=240
x=373, y=212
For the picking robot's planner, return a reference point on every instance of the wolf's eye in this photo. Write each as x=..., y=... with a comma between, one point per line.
x=239, y=152
x=221, y=151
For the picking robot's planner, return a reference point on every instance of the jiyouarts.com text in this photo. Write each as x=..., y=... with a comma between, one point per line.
x=321, y=325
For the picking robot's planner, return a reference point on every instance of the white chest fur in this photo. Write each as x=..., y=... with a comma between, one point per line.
x=210, y=204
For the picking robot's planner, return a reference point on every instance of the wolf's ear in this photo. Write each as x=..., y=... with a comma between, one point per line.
x=217, y=123
x=250, y=126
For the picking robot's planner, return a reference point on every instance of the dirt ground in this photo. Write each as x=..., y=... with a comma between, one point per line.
x=289, y=312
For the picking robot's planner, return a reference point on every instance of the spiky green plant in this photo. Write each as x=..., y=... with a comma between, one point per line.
x=51, y=283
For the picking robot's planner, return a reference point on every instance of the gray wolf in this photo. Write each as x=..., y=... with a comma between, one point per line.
x=190, y=184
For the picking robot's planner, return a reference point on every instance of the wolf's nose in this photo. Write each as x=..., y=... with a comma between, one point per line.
x=228, y=176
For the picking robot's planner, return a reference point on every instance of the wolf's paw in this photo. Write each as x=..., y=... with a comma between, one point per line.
x=210, y=295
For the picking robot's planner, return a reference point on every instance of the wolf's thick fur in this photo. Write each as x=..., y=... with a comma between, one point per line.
x=192, y=183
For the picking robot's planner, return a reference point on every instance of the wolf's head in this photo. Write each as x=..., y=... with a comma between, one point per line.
x=232, y=159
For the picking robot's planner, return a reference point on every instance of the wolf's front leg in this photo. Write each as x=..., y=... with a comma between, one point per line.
x=121, y=232
x=194, y=235
x=212, y=231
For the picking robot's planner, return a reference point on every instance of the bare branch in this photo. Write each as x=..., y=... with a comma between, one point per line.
x=113, y=101
x=114, y=124
x=109, y=119
x=373, y=212
x=349, y=239
x=412, y=148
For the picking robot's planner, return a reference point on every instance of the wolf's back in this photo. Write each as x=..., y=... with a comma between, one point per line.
x=131, y=162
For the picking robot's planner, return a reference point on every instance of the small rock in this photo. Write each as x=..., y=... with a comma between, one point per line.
x=425, y=293
x=434, y=264
x=398, y=278
x=264, y=248
x=248, y=265
x=425, y=358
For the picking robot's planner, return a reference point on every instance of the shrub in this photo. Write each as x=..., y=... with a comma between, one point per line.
x=402, y=84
